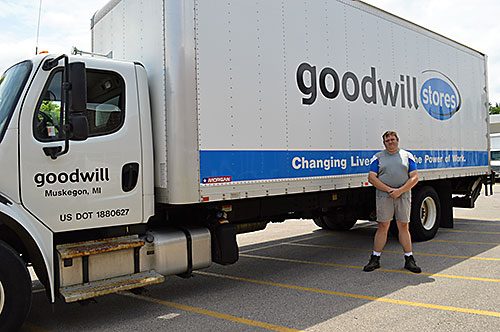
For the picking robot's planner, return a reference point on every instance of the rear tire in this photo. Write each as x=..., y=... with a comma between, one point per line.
x=425, y=214
x=339, y=222
x=15, y=289
x=319, y=222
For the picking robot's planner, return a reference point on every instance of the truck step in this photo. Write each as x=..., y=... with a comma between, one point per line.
x=109, y=286
x=87, y=248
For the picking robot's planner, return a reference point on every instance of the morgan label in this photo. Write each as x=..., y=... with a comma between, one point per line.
x=219, y=179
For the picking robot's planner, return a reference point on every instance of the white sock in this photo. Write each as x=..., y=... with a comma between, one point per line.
x=376, y=253
x=408, y=253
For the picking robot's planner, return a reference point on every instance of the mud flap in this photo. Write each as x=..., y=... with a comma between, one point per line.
x=444, y=191
x=224, y=246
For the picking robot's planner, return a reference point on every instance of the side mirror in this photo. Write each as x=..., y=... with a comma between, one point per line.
x=78, y=91
x=79, y=127
x=74, y=106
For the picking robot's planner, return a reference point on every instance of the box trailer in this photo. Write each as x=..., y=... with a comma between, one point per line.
x=213, y=118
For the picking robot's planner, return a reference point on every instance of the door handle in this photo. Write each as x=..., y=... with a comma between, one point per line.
x=130, y=174
x=52, y=151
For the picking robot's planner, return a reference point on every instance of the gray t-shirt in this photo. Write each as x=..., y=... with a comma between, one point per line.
x=393, y=169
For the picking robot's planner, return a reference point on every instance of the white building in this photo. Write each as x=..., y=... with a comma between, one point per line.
x=494, y=123
x=495, y=143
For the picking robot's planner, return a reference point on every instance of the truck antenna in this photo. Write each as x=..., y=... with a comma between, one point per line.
x=38, y=26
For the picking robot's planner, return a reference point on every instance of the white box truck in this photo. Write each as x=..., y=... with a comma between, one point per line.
x=214, y=118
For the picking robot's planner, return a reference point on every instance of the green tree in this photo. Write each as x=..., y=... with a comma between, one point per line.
x=49, y=115
x=52, y=110
x=495, y=109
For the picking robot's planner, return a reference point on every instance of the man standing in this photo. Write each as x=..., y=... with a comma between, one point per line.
x=393, y=172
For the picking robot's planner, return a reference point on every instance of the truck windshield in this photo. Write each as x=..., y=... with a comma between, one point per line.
x=11, y=85
x=495, y=155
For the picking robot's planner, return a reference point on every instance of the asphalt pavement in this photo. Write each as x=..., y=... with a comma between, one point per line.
x=294, y=276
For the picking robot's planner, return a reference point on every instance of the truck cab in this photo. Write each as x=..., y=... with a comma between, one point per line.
x=76, y=150
x=103, y=179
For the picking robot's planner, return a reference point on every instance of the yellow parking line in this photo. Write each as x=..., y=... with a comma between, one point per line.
x=487, y=223
x=440, y=230
x=454, y=230
x=466, y=242
x=302, y=262
x=475, y=218
x=33, y=328
x=261, y=248
x=358, y=296
x=346, y=234
x=390, y=251
x=450, y=241
x=360, y=268
x=210, y=313
x=281, y=243
x=473, y=232
x=495, y=222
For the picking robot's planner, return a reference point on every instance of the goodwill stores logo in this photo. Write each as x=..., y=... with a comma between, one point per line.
x=438, y=94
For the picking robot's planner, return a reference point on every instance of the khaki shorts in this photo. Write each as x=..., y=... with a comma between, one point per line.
x=388, y=207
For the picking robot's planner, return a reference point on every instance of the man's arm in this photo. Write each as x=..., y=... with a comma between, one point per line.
x=373, y=176
x=375, y=181
x=412, y=181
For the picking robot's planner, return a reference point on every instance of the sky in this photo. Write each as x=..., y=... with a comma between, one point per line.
x=66, y=23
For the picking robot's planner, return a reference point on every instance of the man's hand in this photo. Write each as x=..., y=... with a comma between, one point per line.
x=395, y=193
x=412, y=181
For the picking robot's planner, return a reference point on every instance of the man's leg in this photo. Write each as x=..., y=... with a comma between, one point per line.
x=378, y=245
x=381, y=236
x=385, y=212
x=403, y=207
x=404, y=236
x=405, y=241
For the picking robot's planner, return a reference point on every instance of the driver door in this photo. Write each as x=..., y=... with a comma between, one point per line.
x=98, y=183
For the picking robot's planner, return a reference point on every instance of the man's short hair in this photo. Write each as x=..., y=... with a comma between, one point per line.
x=389, y=133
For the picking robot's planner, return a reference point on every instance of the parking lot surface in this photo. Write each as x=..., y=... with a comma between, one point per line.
x=296, y=277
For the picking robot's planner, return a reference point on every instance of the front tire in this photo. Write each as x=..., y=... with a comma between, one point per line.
x=15, y=289
x=425, y=214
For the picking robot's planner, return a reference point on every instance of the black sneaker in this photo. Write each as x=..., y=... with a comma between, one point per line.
x=373, y=264
x=411, y=265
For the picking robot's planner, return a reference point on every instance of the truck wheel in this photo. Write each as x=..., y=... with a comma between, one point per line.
x=15, y=289
x=425, y=214
x=339, y=222
x=319, y=222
